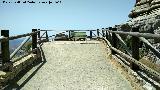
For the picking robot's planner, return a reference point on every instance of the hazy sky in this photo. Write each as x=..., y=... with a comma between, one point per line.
x=69, y=14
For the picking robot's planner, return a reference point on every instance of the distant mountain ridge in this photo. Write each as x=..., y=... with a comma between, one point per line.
x=13, y=44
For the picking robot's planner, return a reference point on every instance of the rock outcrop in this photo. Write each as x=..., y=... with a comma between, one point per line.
x=146, y=16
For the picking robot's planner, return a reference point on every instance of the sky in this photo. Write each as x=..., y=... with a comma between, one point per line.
x=21, y=18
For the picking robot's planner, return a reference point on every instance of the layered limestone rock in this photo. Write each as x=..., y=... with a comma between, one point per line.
x=146, y=16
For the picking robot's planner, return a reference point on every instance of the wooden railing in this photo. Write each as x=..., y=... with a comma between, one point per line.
x=129, y=55
x=7, y=58
x=112, y=37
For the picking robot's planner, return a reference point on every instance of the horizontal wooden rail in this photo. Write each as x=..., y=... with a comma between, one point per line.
x=17, y=36
x=17, y=59
x=142, y=66
x=4, y=39
x=23, y=35
x=137, y=34
x=51, y=36
x=79, y=30
x=47, y=30
x=125, y=62
x=133, y=55
x=67, y=30
x=44, y=40
x=141, y=37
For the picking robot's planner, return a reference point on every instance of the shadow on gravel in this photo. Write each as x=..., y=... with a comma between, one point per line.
x=40, y=61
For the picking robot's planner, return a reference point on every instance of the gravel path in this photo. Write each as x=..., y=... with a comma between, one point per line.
x=75, y=66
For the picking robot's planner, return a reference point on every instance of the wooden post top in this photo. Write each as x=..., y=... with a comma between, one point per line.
x=138, y=1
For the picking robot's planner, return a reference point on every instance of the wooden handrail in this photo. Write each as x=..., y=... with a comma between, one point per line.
x=4, y=39
x=137, y=34
x=15, y=60
x=79, y=30
x=17, y=36
x=144, y=67
x=23, y=35
x=134, y=58
x=141, y=37
x=47, y=30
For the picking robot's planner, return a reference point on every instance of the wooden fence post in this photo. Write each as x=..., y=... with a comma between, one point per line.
x=34, y=40
x=69, y=34
x=114, y=40
x=135, y=49
x=91, y=34
x=106, y=33
x=109, y=35
x=5, y=47
x=103, y=34
x=47, y=36
x=39, y=35
x=98, y=32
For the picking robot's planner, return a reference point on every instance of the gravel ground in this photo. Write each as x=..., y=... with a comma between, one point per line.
x=74, y=66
